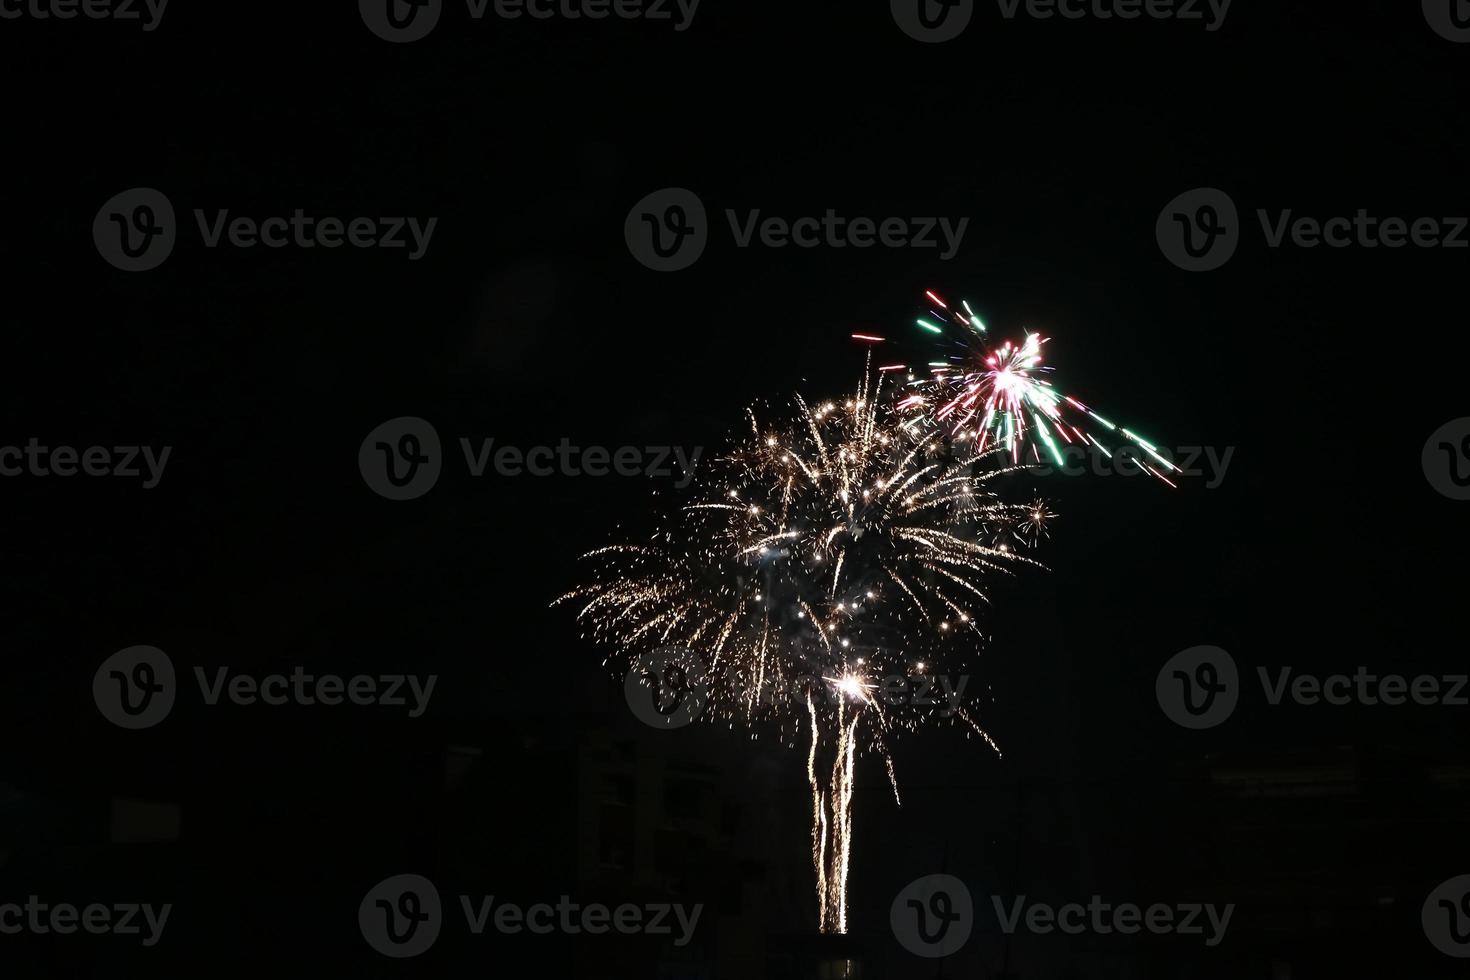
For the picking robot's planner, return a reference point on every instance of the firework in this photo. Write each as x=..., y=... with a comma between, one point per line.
x=997, y=393
x=821, y=557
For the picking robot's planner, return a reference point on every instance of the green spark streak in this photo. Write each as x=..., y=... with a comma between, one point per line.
x=1046, y=438
x=974, y=320
x=1145, y=444
x=929, y=326
x=1135, y=438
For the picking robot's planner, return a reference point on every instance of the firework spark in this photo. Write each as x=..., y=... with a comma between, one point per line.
x=997, y=394
x=820, y=557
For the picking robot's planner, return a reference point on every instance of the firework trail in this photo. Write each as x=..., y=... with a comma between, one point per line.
x=996, y=394
x=821, y=556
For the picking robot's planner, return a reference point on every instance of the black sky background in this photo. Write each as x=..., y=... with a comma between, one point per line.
x=528, y=321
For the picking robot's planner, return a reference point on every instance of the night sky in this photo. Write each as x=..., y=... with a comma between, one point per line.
x=1324, y=547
